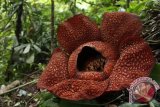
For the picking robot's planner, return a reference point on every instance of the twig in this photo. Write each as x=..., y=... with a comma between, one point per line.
x=115, y=99
x=9, y=86
x=29, y=75
x=32, y=98
x=20, y=86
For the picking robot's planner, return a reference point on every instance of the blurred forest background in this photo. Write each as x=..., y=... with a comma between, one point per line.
x=28, y=36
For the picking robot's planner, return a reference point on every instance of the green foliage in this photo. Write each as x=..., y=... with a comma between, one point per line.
x=6, y=35
x=5, y=47
x=155, y=74
x=35, y=36
x=92, y=103
x=49, y=103
x=48, y=100
x=153, y=103
x=151, y=32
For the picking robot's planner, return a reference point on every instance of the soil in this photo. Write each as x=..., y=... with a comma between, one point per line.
x=22, y=97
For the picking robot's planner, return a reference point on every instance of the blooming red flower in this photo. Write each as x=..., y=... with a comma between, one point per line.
x=97, y=60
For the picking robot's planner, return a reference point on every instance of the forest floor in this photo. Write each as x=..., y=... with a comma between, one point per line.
x=23, y=93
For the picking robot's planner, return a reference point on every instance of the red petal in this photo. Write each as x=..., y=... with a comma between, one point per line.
x=105, y=49
x=79, y=89
x=115, y=26
x=56, y=70
x=91, y=75
x=136, y=60
x=76, y=31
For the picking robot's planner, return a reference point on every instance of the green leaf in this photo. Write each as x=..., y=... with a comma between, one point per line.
x=121, y=3
x=20, y=47
x=154, y=103
x=30, y=59
x=46, y=95
x=49, y=103
x=89, y=103
x=37, y=48
x=26, y=50
x=155, y=74
x=132, y=105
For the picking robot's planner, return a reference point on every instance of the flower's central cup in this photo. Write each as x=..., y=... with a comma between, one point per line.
x=92, y=61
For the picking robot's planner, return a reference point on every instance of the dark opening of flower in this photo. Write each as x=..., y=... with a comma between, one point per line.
x=100, y=60
x=90, y=60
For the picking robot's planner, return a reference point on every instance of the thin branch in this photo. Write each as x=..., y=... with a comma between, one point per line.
x=20, y=86
x=115, y=99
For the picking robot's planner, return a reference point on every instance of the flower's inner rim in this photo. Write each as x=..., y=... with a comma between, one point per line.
x=90, y=60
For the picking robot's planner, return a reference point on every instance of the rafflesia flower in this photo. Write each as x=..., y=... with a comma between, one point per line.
x=92, y=60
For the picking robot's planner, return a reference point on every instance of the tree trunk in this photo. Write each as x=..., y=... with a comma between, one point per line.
x=53, y=39
x=19, y=21
x=74, y=7
x=8, y=73
x=18, y=30
x=128, y=3
x=113, y=2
